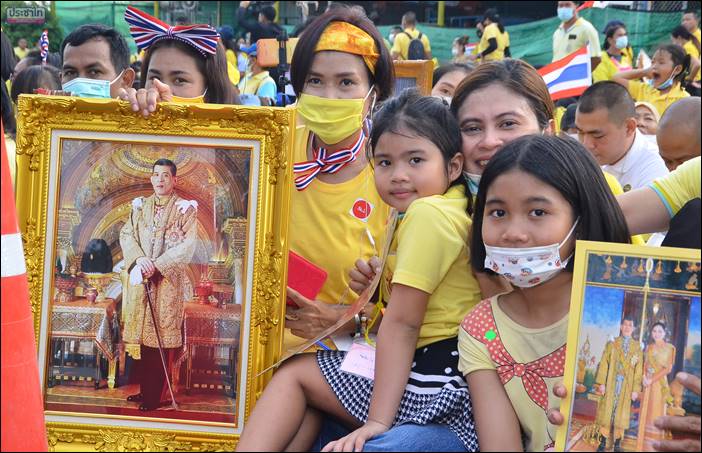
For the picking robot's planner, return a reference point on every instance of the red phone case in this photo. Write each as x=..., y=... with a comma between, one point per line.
x=304, y=277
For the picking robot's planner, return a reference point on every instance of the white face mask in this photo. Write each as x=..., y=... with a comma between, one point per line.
x=454, y=51
x=473, y=181
x=528, y=266
x=90, y=88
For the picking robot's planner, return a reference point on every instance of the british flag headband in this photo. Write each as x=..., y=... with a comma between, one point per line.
x=146, y=30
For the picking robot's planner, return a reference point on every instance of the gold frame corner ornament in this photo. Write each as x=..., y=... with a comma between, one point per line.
x=273, y=129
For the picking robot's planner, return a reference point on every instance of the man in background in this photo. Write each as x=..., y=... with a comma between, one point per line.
x=403, y=40
x=574, y=33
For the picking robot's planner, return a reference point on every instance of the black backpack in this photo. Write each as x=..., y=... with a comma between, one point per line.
x=415, y=51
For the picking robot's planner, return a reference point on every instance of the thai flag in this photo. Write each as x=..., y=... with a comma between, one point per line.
x=569, y=76
x=44, y=45
x=470, y=47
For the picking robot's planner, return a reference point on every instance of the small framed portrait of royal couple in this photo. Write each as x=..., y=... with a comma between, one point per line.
x=156, y=257
x=634, y=323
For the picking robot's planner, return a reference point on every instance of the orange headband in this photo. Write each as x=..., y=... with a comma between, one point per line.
x=345, y=37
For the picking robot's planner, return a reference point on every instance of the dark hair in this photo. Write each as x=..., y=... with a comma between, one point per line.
x=212, y=67
x=568, y=118
x=681, y=32
x=396, y=28
x=610, y=30
x=679, y=57
x=493, y=16
x=424, y=116
x=568, y=167
x=304, y=54
x=166, y=163
x=448, y=68
x=119, y=50
x=32, y=58
x=462, y=40
x=7, y=58
x=628, y=318
x=409, y=17
x=610, y=96
x=8, y=115
x=33, y=77
x=268, y=12
x=515, y=75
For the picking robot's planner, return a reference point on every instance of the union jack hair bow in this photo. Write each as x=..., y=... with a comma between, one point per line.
x=146, y=30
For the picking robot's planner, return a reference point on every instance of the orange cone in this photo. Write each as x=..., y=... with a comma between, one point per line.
x=22, y=414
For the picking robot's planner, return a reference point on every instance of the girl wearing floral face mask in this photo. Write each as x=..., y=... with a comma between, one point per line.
x=536, y=197
x=670, y=65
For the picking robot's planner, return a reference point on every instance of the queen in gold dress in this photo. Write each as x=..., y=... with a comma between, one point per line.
x=658, y=363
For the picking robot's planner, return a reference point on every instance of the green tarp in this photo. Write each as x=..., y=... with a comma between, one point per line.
x=530, y=41
x=533, y=41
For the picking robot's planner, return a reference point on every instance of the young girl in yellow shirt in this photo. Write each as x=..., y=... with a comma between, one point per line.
x=670, y=65
x=537, y=196
x=417, y=160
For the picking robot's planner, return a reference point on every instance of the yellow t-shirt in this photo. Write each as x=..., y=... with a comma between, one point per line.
x=328, y=226
x=429, y=252
x=493, y=31
x=609, y=66
x=402, y=42
x=578, y=35
x=489, y=339
x=21, y=53
x=679, y=186
x=698, y=34
x=232, y=68
x=692, y=51
x=644, y=92
x=616, y=189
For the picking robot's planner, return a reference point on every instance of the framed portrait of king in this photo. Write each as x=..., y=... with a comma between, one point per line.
x=156, y=256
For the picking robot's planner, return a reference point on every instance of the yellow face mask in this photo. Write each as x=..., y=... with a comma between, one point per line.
x=196, y=100
x=332, y=120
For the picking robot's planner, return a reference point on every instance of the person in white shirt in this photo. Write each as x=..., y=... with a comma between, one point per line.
x=573, y=33
x=606, y=123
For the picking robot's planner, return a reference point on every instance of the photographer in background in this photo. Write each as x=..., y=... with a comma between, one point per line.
x=264, y=27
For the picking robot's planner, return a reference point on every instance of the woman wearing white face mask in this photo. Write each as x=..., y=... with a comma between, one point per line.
x=495, y=104
x=537, y=197
x=617, y=54
x=187, y=64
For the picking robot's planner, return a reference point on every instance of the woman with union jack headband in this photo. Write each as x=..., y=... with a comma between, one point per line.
x=184, y=63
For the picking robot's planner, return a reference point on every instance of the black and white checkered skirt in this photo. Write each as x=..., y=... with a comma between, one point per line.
x=436, y=391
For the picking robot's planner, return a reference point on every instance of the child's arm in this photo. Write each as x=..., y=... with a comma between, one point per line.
x=396, y=344
x=496, y=423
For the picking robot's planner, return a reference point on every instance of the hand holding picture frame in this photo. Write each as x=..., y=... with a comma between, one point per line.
x=195, y=198
x=634, y=323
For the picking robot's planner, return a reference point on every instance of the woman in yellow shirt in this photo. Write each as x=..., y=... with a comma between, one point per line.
x=494, y=43
x=691, y=45
x=617, y=55
x=340, y=70
x=669, y=67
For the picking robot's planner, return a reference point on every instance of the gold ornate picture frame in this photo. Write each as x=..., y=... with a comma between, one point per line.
x=413, y=74
x=85, y=181
x=634, y=323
